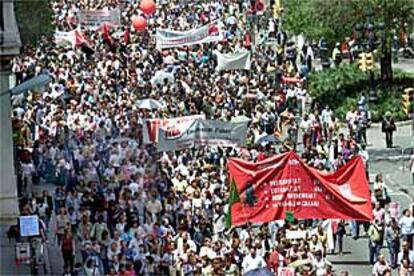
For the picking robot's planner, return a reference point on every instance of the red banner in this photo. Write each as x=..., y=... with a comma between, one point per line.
x=268, y=189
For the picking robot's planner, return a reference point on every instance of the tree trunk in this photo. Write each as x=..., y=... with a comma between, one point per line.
x=386, y=68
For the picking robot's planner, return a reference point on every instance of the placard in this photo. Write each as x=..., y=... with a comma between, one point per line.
x=295, y=234
x=286, y=271
x=29, y=226
x=94, y=19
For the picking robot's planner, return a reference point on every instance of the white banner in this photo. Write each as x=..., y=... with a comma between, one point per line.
x=94, y=19
x=303, y=234
x=152, y=126
x=65, y=39
x=233, y=61
x=203, y=133
x=296, y=234
x=208, y=33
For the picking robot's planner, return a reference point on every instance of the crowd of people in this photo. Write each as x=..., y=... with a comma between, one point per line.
x=129, y=210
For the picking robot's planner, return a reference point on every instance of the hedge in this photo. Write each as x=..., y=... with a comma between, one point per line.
x=341, y=87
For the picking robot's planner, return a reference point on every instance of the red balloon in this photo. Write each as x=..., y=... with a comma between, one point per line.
x=147, y=6
x=139, y=23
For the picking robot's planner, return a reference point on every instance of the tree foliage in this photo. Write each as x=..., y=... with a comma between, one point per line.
x=34, y=19
x=336, y=19
x=341, y=87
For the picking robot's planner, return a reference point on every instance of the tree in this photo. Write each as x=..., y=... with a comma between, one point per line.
x=34, y=19
x=337, y=19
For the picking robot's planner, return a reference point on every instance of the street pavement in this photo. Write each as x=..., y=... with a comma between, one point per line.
x=406, y=65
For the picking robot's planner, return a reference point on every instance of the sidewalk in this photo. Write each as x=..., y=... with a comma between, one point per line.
x=403, y=141
x=54, y=259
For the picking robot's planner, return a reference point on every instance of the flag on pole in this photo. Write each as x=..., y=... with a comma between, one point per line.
x=105, y=34
x=83, y=43
x=126, y=35
x=233, y=198
x=80, y=39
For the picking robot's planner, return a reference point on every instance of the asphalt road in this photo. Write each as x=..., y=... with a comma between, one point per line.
x=356, y=254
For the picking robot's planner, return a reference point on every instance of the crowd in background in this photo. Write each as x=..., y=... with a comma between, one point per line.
x=132, y=211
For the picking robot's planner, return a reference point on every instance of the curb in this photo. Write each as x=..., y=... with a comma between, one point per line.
x=401, y=123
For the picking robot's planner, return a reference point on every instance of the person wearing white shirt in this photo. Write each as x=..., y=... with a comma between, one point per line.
x=326, y=118
x=350, y=118
x=381, y=267
x=406, y=224
x=405, y=254
x=412, y=167
x=252, y=261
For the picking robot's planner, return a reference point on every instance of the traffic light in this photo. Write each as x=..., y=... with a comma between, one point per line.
x=277, y=9
x=408, y=100
x=362, y=62
x=369, y=59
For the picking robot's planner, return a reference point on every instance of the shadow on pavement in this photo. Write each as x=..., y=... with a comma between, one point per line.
x=354, y=263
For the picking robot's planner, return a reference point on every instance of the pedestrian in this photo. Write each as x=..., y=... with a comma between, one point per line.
x=381, y=267
x=406, y=224
x=61, y=224
x=374, y=241
x=406, y=254
x=252, y=261
x=392, y=238
x=365, y=158
x=388, y=127
x=67, y=249
x=339, y=232
x=411, y=165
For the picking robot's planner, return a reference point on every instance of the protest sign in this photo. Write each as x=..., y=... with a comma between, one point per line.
x=65, y=39
x=203, y=133
x=170, y=38
x=94, y=19
x=233, y=61
x=286, y=271
x=29, y=226
x=151, y=126
x=295, y=234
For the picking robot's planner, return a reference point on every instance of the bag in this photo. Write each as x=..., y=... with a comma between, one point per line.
x=375, y=237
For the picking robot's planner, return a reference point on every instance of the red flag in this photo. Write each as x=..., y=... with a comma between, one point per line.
x=80, y=39
x=247, y=40
x=105, y=34
x=284, y=183
x=83, y=43
x=126, y=35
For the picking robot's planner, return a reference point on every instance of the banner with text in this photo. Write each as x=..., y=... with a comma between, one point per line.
x=173, y=125
x=65, y=39
x=284, y=183
x=203, y=133
x=233, y=61
x=94, y=19
x=208, y=33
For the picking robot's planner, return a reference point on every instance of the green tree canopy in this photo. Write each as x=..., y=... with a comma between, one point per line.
x=34, y=19
x=336, y=19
